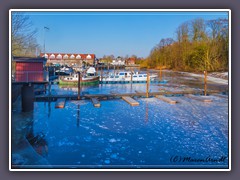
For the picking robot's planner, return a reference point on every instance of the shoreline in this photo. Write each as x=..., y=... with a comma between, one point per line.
x=216, y=77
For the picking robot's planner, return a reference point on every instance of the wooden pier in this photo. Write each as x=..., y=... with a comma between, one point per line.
x=165, y=99
x=130, y=101
x=221, y=95
x=200, y=98
x=116, y=95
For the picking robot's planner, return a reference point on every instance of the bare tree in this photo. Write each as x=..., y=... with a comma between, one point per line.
x=183, y=32
x=23, y=35
x=198, y=29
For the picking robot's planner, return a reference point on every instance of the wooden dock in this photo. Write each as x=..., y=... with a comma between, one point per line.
x=96, y=102
x=140, y=93
x=199, y=98
x=114, y=92
x=130, y=101
x=115, y=95
x=221, y=95
x=165, y=99
x=60, y=103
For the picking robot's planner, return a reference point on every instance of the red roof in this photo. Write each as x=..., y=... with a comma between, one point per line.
x=83, y=56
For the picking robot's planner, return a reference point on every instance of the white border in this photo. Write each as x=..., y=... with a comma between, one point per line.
x=120, y=10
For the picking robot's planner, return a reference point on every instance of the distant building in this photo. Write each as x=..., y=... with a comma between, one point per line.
x=131, y=61
x=70, y=59
x=29, y=69
x=118, y=61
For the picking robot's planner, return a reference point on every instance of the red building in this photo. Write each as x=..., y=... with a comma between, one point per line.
x=131, y=61
x=66, y=58
x=29, y=69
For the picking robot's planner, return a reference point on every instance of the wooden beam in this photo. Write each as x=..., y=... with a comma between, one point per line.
x=130, y=101
x=199, y=98
x=165, y=99
x=60, y=103
x=221, y=95
x=95, y=102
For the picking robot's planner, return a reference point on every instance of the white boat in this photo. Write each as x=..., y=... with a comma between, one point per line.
x=127, y=76
x=88, y=78
x=64, y=71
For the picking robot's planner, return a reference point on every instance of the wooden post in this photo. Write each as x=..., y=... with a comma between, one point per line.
x=114, y=70
x=79, y=85
x=160, y=74
x=27, y=98
x=205, y=83
x=147, y=89
x=49, y=88
x=101, y=72
x=45, y=88
x=131, y=75
x=49, y=108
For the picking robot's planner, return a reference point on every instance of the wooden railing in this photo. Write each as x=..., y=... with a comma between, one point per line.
x=30, y=76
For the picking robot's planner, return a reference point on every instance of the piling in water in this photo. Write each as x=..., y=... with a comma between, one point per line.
x=160, y=74
x=27, y=98
x=147, y=85
x=79, y=85
x=205, y=83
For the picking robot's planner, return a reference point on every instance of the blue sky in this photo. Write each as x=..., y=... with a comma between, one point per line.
x=106, y=33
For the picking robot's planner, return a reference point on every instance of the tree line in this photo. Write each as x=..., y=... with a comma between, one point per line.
x=23, y=38
x=200, y=45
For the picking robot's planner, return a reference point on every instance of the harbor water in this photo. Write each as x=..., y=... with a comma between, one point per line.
x=155, y=134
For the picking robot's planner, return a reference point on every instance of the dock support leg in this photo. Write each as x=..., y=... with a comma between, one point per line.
x=78, y=86
x=160, y=74
x=205, y=83
x=147, y=88
x=27, y=98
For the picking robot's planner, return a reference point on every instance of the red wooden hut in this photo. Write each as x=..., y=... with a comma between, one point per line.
x=29, y=69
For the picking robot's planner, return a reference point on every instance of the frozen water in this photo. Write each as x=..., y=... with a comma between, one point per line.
x=121, y=135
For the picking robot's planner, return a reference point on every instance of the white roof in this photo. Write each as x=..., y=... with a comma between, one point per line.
x=91, y=70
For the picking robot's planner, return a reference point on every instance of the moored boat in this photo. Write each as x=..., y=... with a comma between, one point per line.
x=128, y=76
x=89, y=78
x=64, y=71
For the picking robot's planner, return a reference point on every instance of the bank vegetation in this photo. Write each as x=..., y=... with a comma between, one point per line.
x=200, y=45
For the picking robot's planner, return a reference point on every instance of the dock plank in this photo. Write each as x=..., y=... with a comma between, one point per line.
x=165, y=99
x=130, y=101
x=199, y=98
x=95, y=102
x=221, y=95
x=114, y=92
x=60, y=103
x=139, y=91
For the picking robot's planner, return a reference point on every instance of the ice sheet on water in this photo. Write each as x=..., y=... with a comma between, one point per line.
x=114, y=156
x=107, y=161
x=156, y=126
x=103, y=127
x=112, y=140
